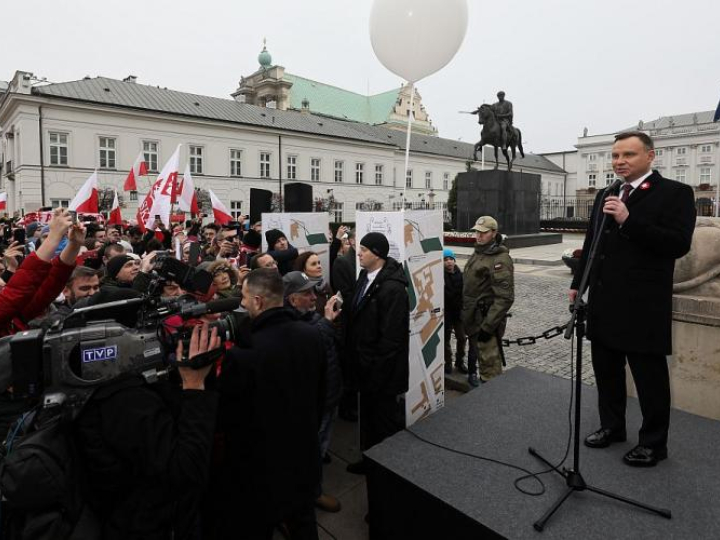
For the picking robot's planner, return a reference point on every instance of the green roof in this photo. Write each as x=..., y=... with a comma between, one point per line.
x=332, y=101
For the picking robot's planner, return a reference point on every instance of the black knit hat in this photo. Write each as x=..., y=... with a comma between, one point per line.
x=115, y=264
x=252, y=239
x=272, y=236
x=376, y=243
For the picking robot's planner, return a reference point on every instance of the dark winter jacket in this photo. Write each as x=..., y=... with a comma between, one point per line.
x=147, y=454
x=271, y=402
x=378, y=333
x=453, y=295
x=285, y=259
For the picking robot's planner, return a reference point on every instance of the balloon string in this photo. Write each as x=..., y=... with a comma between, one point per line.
x=407, y=140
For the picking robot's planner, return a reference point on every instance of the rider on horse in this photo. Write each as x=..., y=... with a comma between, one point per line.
x=504, y=113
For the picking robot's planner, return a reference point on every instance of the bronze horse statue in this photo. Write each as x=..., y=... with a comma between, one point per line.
x=492, y=135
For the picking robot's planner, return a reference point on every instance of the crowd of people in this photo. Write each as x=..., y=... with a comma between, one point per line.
x=236, y=447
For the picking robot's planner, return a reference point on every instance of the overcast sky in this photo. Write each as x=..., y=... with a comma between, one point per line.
x=565, y=65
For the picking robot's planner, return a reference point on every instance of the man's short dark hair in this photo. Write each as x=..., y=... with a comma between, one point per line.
x=255, y=261
x=111, y=249
x=644, y=138
x=266, y=282
x=82, y=272
x=212, y=226
x=135, y=231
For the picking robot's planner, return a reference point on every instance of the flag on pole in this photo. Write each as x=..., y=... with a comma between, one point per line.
x=115, y=217
x=86, y=199
x=220, y=212
x=158, y=200
x=139, y=168
x=3, y=201
x=717, y=113
x=188, y=197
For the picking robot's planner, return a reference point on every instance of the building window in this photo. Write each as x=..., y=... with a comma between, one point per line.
x=705, y=175
x=60, y=203
x=235, y=162
x=592, y=157
x=337, y=212
x=339, y=169
x=359, y=173
x=379, y=175
x=658, y=152
x=446, y=181
x=705, y=149
x=58, y=148
x=591, y=180
x=315, y=170
x=292, y=167
x=264, y=164
x=236, y=209
x=133, y=195
x=408, y=178
x=680, y=175
x=428, y=179
x=681, y=151
x=150, y=155
x=107, y=152
x=608, y=156
x=609, y=179
x=196, y=159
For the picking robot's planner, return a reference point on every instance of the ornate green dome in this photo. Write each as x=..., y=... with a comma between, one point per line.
x=264, y=57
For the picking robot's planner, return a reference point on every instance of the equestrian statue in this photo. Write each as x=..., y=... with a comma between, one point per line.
x=498, y=130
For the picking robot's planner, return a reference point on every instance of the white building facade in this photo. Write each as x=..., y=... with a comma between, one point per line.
x=53, y=136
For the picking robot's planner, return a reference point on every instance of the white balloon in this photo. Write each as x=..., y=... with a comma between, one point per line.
x=416, y=38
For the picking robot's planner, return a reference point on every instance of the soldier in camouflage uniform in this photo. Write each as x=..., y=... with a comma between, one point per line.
x=488, y=293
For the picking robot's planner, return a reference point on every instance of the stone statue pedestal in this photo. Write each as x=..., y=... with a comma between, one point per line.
x=511, y=197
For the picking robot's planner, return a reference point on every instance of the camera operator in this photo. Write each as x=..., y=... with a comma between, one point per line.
x=147, y=450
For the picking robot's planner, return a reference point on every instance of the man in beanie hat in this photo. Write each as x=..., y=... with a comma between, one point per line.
x=453, y=308
x=488, y=294
x=378, y=341
x=281, y=250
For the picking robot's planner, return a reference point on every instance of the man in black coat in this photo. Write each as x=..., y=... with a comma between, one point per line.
x=271, y=400
x=630, y=304
x=378, y=340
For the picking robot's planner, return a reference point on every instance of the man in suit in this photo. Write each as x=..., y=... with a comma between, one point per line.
x=378, y=340
x=650, y=223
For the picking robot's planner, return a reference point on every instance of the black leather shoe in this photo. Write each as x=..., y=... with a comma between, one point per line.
x=603, y=438
x=357, y=468
x=644, y=456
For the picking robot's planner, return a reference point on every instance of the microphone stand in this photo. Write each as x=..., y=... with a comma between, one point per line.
x=573, y=477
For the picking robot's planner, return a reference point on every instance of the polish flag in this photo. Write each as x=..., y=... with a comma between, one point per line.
x=3, y=201
x=188, y=198
x=159, y=200
x=86, y=199
x=220, y=212
x=115, y=215
x=139, y=168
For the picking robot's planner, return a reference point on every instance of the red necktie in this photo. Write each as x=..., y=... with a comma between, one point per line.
x=627, y=188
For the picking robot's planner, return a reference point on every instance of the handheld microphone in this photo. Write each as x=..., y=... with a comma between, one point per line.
x=614, y=188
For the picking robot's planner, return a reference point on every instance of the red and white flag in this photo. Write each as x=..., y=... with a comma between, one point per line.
x=158, y=201
x=86, y=199
x=139, y=168
x=115, y=215
x=3, y=201
x=187, y=201
x=220, y=212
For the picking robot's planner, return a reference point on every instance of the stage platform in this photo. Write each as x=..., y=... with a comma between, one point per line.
x=420, y=491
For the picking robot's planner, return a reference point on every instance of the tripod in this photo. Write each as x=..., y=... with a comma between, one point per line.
x=573, y=477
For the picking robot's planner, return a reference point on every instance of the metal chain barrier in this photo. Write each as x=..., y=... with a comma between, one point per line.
x=532, y=340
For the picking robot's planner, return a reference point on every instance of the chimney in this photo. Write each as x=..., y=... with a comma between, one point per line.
x=130, y=79
x=305, y=106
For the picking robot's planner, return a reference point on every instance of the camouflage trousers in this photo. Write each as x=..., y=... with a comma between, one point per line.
x=488, y=357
